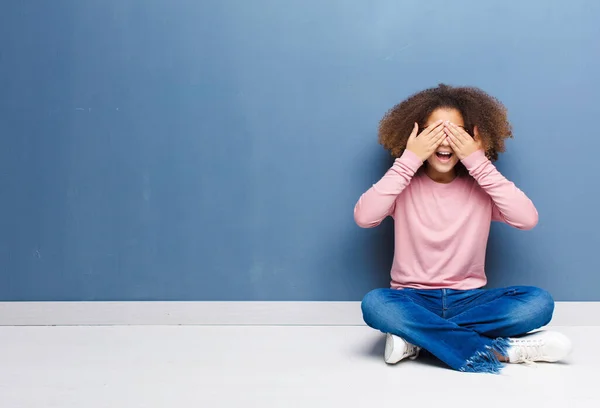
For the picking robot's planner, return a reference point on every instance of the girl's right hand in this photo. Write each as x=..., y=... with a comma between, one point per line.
x=426, y=143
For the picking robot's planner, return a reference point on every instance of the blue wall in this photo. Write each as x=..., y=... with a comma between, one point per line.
x=214, y=150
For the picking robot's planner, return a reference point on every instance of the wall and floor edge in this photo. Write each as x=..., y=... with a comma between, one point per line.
x=303, y=313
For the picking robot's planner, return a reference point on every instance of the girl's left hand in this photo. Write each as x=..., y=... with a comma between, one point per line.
x=461, y=142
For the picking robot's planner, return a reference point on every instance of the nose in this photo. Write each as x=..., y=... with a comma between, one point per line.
x=445, y=143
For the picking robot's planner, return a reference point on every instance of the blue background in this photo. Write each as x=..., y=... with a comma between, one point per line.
x=214, y=150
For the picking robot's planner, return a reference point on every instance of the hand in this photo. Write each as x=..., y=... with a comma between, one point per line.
x=425, y=144
x=461, y=142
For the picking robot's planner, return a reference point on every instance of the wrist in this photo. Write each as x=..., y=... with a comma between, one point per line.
x=474, y=159
x=415, y=155
x=411, y=159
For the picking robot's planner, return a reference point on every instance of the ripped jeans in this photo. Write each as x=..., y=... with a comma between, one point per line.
x=462, y=328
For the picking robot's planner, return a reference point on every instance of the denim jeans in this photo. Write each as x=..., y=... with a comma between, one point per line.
x=463, y=328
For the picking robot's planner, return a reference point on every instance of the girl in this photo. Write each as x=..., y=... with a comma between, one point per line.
x=443, y=192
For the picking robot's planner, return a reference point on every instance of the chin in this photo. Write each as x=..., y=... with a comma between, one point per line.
x=442, y=168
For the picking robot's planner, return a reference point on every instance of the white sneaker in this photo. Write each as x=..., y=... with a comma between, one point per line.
x=539, y=346
x=397, y=349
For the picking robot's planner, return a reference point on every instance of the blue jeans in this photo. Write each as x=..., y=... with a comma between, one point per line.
x=463, y=328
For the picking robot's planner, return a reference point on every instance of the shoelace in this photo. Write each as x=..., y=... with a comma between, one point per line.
x=528, y=351
x=411, y=352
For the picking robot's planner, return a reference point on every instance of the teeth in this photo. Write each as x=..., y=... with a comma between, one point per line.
x=444, y=153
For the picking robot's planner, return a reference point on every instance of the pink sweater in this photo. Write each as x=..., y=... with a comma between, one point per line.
x=441, y=230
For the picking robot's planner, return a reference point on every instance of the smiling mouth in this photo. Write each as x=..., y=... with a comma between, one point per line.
x=444, y=157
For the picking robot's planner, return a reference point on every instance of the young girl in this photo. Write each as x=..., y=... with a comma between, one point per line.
x=443, y=192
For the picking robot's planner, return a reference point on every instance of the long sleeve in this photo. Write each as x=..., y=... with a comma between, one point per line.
x=378, y=202
x=510, y=205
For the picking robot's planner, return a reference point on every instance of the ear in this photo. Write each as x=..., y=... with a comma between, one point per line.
x=476, y=135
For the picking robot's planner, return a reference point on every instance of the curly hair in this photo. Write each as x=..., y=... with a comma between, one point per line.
x=476, y=107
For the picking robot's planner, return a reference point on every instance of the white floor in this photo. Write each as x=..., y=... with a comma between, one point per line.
x=265, y=366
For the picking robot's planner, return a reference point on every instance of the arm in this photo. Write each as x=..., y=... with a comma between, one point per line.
x=379, y=201
x=510, y=205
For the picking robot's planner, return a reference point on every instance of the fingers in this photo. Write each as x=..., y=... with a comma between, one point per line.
x=414, y=132
x=432, y=130
x=453, y=143
x=453, y=135
x=462, y=133
x=459, y=135
x=438, y=138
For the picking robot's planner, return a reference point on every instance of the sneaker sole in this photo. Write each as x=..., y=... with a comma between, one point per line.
x=389, y=349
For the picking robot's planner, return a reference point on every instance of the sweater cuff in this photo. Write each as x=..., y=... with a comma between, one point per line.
x=411, y=160
x=475, y=159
